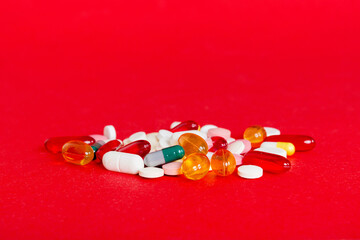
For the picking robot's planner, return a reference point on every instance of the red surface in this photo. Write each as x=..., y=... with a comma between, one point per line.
x=71, y=67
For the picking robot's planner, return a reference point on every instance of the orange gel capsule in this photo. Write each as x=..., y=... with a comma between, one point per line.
x=268, y=162
x=77, y=152
x=255, y=134
x=55, y=144
x=193, y=143
x=184, y=126
x=223, y=162
x=301, y=142
x=195, y=166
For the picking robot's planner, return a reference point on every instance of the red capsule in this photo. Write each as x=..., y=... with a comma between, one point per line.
x=218, y=143
x=140, y=147
x=112, y=145
x=301, y=142
x=184, y=126
x=268, y=162
x=55, y=144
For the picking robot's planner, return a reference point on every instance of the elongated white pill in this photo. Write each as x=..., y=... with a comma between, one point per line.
x=122, y=162
x=206, y=128
x=272, y=150
x=138, y=136
x=151, y=172
x=110, y=132
x=175, y=137
x=271, y=131
x=250, y=171
x=174, y=124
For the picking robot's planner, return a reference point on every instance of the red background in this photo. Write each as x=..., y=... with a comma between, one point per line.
x=71, y=67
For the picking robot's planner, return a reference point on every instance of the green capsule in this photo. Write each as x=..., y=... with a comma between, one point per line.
x=163, y=156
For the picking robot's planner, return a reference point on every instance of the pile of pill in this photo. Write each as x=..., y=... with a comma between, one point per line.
x=185, y=149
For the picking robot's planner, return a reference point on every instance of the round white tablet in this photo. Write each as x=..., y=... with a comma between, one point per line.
x=151, y=172
x=250, y=171
x=110, y=132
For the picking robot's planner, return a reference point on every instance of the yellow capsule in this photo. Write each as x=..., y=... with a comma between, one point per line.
x=287, y=146
x=195, y=166
x=193, y=143
x=77, y=152
x=255, y=134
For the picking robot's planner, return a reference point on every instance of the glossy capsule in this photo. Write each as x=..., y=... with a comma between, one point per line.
x=287, y=146
x=269, y=162
x=193, y=143
x=185, y=126
x=163, y=156
x=195, y=166
x=301, y=142
x=77, y=152
x=223, y=162
x=139, y=147
x=112, y=145
x=218, y=143
x=55, y=144
x=255, y=134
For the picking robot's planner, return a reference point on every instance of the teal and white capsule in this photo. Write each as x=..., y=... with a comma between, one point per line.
x=163, y=156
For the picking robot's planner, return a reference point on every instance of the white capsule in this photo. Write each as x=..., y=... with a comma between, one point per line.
x=272, y=150
x=175, y=137
x=165, y=134
x=206, y=128
x=271, y=131
x=236, y=147
x=250, y=171
x=151, y=172
x=110, y=132
x=138, y=136
x=174, y=124
x=123, y=162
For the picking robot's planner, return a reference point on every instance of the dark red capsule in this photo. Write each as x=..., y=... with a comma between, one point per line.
x=140, y=147
x=268, y=162
x=112, y=145
x=55, y=144
x=185, y=126
x=301, y=142
x=218, y=143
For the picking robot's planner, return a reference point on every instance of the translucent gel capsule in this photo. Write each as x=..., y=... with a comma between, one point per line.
x=193, y=143
x=255, y=134
x=301, y=142
x=195, y=166
x=269, y=162
x=184, y=126
x=55, y=144
x=223, y=162
x=218, y=143
x=163, y=156
x=139, y=147
x=112, y=145
x=77, y=152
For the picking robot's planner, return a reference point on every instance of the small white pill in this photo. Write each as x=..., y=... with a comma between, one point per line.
x=250, y=171
x=272, y=150
x=153, y=140
x=175, y=137
x=122, y=162
x=138, y=136
x=164, y=134
x=110, y=132
x=151, y=172
x=206, y=128
x=164, y=143
x=236, y=147
x=174, y=124
x=271, y=131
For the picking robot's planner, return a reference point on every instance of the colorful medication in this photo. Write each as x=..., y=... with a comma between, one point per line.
x=175, y=137
x=138, y=136
x=195, y=166
x=272, y=150
x=172, y=169
x=112, y=145
x=123, y=162
x=301, y=142
x=98, y=137
x=288, y=147
x=240, y=146
x=218, y=143
x=77, y=152
x=268, y=162
x=250, y=171
x=184, y=126
x=193, y=144
x=139, y=147
x=255, y=134
x=223, y=162
x=205, y=129
x=219, y=132
x=151, y=172
x=163, y=156
x=55, y=144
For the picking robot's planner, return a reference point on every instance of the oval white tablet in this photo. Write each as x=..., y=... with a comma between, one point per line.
x=138, y=136
x=164, y=134
x=110, y=132
x=153, y=140
x=250, y=171
x=271, y=131
x=151, y=172
x=236, y=147
x=272, y=150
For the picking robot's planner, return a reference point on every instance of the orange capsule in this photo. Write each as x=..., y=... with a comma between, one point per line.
x=223, y=162
x=255, y=134
x=193, y=143
x=77, y=152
